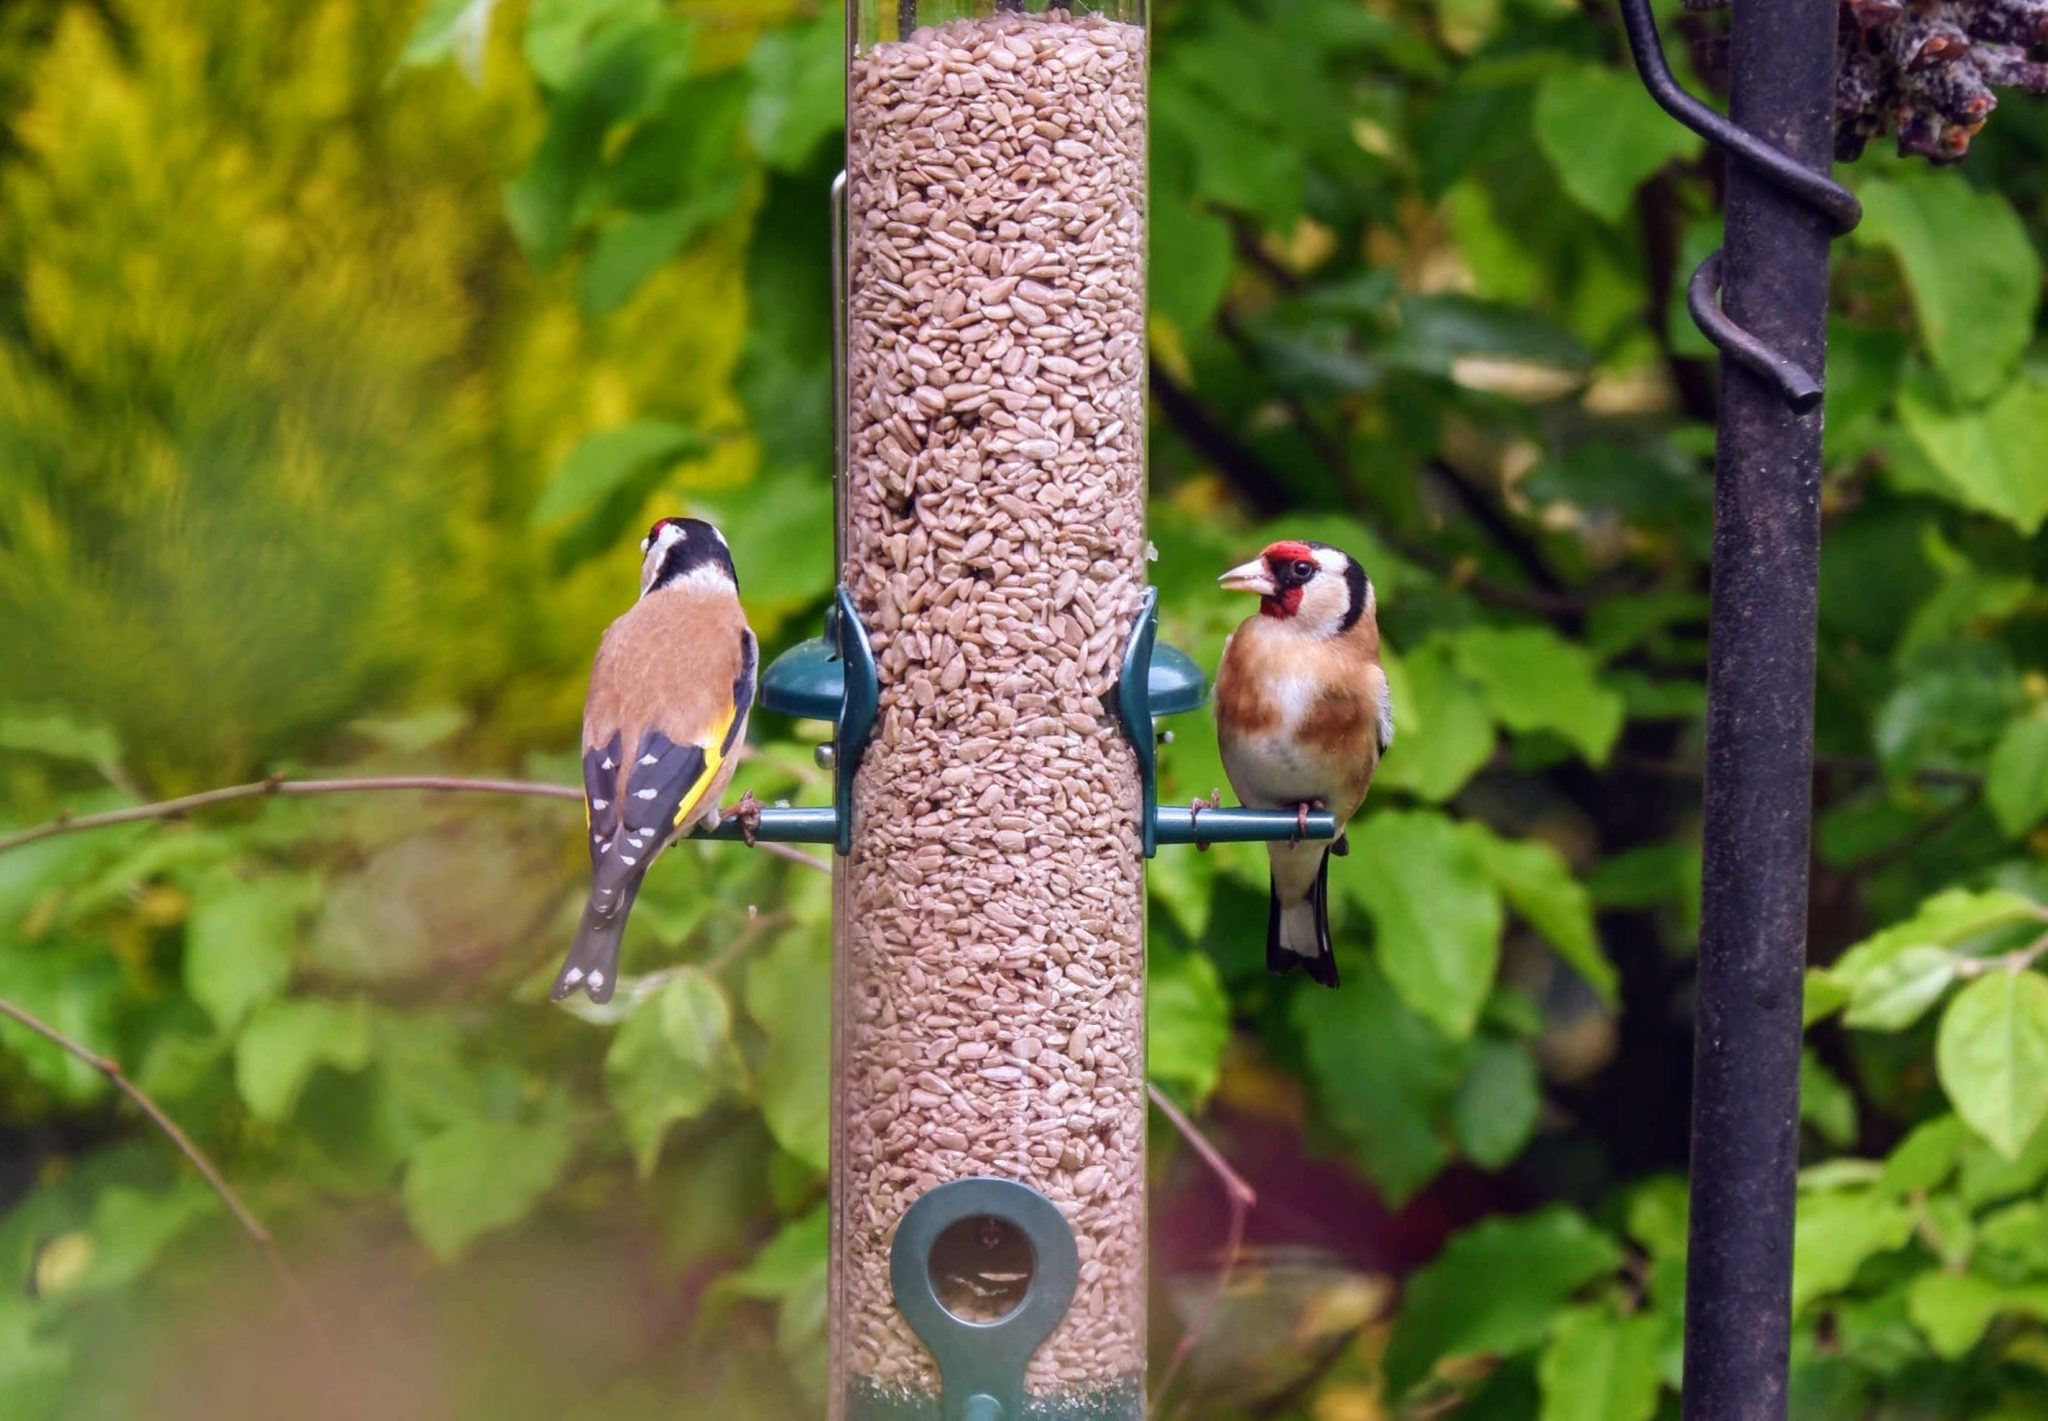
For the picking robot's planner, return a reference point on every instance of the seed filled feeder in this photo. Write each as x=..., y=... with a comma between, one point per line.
x=990, y=671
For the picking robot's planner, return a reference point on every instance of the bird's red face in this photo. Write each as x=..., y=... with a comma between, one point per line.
x=1316, y=588
x=1281, y=576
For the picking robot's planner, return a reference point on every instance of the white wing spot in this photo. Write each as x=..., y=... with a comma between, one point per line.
x=600, y=804
x=607, y=763
x=645, y=793
x=627, y=861
x=650, y=759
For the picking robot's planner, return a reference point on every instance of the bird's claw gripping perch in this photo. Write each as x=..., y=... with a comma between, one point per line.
x=1195, y=808
x=1301, y=813
x=748, y=812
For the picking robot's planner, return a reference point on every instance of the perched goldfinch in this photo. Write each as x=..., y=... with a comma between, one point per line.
x=669, y=695
x=1302, y=717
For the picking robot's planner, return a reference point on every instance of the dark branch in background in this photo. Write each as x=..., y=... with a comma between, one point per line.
x=251, y=1225
x=279, y=785
x=1242, y=1199
x=1269, y=498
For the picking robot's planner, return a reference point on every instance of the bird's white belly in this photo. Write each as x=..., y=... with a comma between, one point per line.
x=1273, y=769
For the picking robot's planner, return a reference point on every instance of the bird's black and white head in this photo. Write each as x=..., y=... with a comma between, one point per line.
x=685, y=552
x=1312, y=588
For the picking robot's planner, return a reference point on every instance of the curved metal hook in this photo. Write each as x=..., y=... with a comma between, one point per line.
x=1816, y=190
x=1703, y=298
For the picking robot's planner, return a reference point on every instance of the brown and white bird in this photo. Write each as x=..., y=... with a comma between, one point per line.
x=669, y=695
x=1302, y=717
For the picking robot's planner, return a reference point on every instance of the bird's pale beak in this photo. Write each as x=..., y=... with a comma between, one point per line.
x=1251, y=577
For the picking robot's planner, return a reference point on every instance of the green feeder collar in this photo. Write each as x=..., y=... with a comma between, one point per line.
x=981, y=1364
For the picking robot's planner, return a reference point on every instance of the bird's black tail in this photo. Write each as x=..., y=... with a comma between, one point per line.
x=1299, y=936
x=592, y=965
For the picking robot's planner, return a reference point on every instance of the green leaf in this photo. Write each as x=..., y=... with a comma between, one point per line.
x=604, y=462
x=1191, y=258
x=670, y=1060
x=1974, y=274
x=454, y=29
x=1436, y=912
x=1534, y=679
x=797, y=92
x=284, y=1041
x=32, y=1365
x=559, y=31
x=1235, y=164
x=1836, y=1232
x=617, y=77
x=1992, y=1057
x=60, y=737
x=1954, y=1310
x=1925, y=1158
x=1951, y=918
x=1494, y=1111
x=785, y=1262
x=1187, y=1020
x=789, y=993
x=1494, y=1289
x=1445, y=736
x=1601, y=1367
x=1382, y=1075
x=623, y=257
x=478, y=1177
x=1540, y=887
x=2016, y=778
x=131, y=1228
x=77, y=997
x=241, y=940
x=1604, y=135
x=1988, y=457
x=1825, y=1103
x=1892, y=995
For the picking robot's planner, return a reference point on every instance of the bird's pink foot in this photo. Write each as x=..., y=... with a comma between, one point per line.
x=748, y=812
x=1301, y=813
x=1195, y=808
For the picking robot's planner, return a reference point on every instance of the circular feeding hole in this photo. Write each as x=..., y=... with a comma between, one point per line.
x=981, y=1267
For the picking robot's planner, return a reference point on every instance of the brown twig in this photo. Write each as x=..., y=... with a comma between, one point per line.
x=1242, y=1199
x=250, y=1224
x=279, y=785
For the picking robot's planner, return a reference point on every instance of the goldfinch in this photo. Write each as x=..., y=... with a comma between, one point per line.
x=1302, y=718
x=669, y=695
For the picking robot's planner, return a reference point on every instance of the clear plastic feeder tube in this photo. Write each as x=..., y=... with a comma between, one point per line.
x=990, y=949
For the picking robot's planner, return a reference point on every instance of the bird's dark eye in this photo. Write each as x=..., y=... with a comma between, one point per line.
x=1304, y=569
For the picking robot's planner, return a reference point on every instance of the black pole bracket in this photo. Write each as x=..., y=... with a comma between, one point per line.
x=1801, y=388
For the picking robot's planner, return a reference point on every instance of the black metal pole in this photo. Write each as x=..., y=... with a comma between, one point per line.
x=1745, y=1115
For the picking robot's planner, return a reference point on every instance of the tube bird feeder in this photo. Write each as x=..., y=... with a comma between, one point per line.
x=991, y=671
x=990, y=954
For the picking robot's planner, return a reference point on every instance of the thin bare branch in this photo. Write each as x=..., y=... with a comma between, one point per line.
x=1242, y=1199
x=250, y=1224
x=279, y=785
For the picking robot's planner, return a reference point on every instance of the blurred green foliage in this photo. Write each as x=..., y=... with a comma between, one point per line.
x=345, y=347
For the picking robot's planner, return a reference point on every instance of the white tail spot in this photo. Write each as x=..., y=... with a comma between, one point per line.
x=572, y=976
x=626, y=861
x=597, y=981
